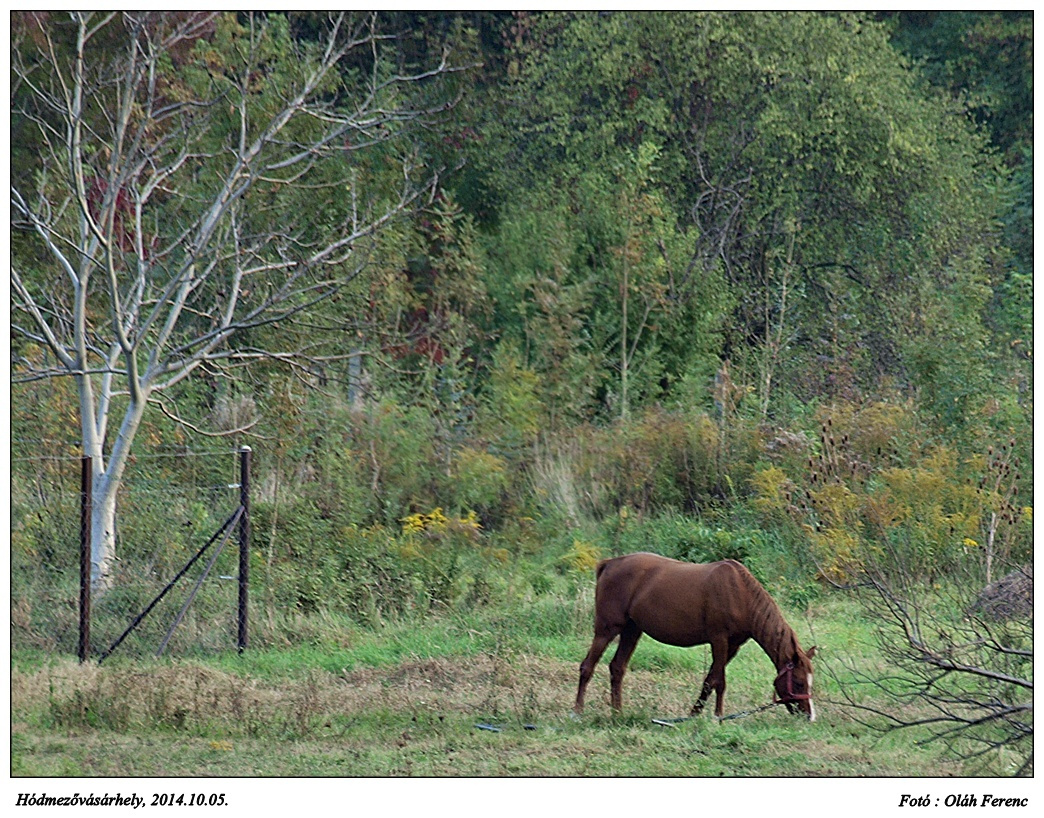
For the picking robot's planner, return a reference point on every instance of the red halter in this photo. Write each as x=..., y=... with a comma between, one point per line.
x=790, y=696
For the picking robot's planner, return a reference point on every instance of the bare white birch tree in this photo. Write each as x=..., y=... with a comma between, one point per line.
x=196, y=177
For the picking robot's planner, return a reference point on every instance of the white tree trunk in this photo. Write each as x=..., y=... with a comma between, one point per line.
x=103, y=533
x=106, y=476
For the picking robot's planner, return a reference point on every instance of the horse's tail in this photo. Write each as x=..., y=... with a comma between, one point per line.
x=601, y=567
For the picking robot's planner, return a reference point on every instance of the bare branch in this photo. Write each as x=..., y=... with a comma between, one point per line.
x=159, y=402
x=954, y=676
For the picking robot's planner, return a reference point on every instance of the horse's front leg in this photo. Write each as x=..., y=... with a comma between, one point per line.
x=715, y=679
x=704, y=693
x=713, y=682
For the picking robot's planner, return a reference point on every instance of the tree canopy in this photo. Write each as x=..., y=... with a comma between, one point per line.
x=815, y=182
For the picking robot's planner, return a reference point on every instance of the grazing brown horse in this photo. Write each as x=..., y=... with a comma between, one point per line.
x=684, y=604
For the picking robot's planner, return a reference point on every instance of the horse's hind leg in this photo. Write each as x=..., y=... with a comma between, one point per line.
x=628, y=641
x=598, y=645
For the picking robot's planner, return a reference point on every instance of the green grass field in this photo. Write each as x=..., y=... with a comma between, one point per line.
x=407, y=699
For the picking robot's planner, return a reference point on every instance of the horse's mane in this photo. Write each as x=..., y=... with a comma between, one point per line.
x=768, y=627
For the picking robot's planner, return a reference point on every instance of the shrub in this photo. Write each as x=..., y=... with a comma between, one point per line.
x=398, y=444
x=772, y=492
x=704, y=467
x=582, y=557
x=511, y=413
x=450, y=557
x=935, y=514
x=682, y=537
x=480, y=481
x=881, y=433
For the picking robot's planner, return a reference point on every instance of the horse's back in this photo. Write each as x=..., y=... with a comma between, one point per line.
x=648, y=567
x=676, y=602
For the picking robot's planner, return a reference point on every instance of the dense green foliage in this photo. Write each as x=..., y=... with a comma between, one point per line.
x=750, y=285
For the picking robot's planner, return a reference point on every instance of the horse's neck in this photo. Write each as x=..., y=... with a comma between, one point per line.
x=771, y=631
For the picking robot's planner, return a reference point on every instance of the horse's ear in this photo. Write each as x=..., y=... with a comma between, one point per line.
x=811, y=652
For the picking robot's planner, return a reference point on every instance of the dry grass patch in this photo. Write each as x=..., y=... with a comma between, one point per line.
x=420, y=717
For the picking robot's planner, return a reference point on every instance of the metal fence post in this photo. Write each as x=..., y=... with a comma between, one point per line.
x=84, y=647
x=244, y=543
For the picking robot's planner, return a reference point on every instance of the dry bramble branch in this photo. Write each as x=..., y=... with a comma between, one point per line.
x=965, y=679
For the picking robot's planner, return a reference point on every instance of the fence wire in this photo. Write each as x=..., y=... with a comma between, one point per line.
x=168, y=506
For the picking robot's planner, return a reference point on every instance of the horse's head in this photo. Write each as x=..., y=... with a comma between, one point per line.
x=794, y=684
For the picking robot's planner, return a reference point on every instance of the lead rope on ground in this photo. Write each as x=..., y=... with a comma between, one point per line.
x=740, y=715
x=743, y=713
